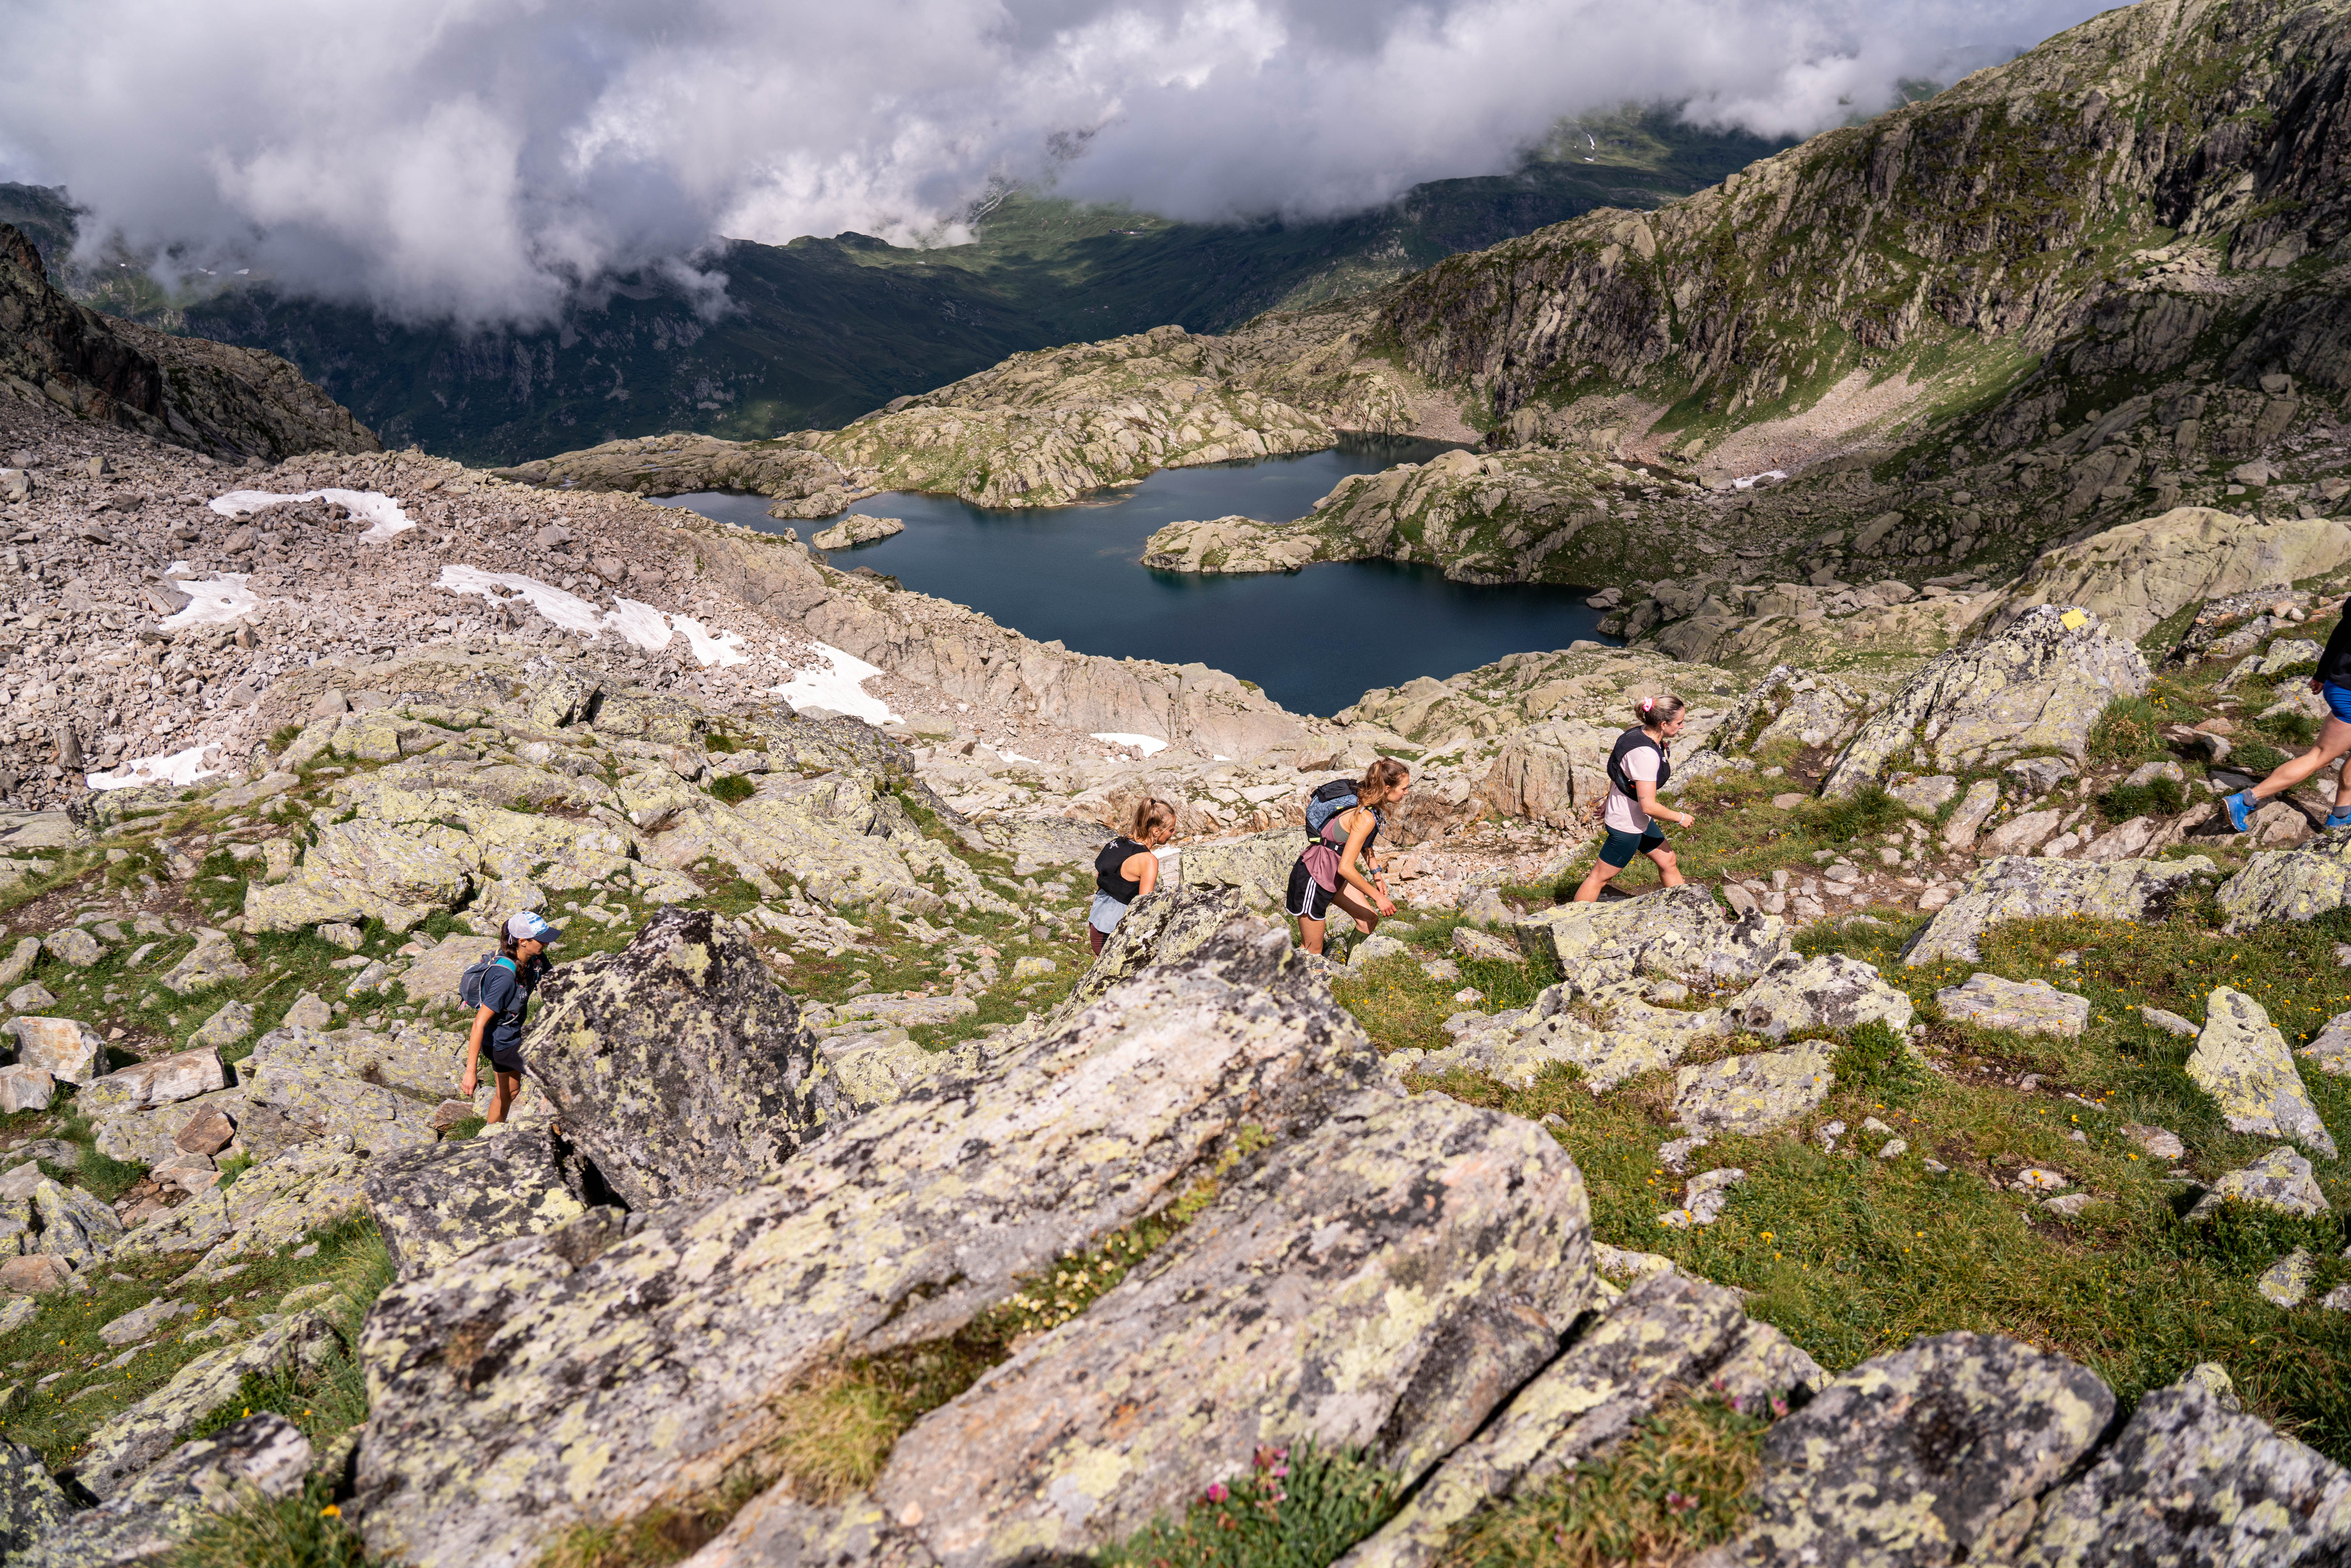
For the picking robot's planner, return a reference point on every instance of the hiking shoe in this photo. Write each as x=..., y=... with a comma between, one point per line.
x=2337, y=820
x=2240, y=807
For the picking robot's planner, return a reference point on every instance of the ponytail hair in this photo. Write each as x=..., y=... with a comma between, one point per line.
x=1380, y=780
x=508, y=946
x=1151, y=813
x=1661, y=709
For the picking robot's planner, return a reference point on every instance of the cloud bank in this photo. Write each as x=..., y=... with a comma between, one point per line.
x=486, y=161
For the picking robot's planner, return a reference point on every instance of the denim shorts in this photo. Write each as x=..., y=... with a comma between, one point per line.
x=2338, y=700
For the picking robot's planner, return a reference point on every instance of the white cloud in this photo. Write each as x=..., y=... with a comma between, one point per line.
x=482, y=159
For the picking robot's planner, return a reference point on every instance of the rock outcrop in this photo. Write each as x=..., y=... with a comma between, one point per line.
x=1313, y=1303
x=185, y=391
x=2290, y=884
x=581, y=1375
x=435, y=1203
x=2039, y=684
x=2241, y=1060
x=1676, y=933
x=678, y=1065
x=2136, y=576
x=2023, y=887
x=262, y=1456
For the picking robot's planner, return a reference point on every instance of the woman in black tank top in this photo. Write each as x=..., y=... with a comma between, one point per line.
x=1637, y=768
x=1126, y=869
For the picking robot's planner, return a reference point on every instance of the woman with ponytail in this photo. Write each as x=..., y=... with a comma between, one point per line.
x=1637, y=768
x=1327, y=874
x=1127, y=868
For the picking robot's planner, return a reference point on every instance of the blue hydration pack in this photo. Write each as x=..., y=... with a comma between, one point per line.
x=1326, y=803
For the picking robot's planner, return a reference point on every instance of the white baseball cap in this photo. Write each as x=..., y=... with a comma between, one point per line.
x=528, y=926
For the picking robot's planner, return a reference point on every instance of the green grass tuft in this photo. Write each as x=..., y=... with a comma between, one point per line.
x=1294, y=1508
x=1869, y=810
x=2157, y=797
x=733, y=787
x=304, y=1530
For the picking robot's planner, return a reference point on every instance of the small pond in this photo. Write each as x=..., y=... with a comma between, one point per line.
x=1314, y=639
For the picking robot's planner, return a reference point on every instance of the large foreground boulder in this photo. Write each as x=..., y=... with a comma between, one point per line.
x=2026, y=887
x=1922, y=1457
x=1162, y=928
x=560, y=1379
x=678, y=1065
x=435, y=1203
x=2038, y=685
x=1381, y=1285
x=2135, y=575
x=2189, y=1481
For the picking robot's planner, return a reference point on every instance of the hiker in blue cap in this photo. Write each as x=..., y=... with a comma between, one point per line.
x=505, y=987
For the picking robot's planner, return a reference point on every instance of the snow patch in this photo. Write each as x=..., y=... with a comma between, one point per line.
x=1148, y=744
x=638, y=625
x=641, y=625
x=211, y=601
x=567, y=610
x=380, y=509
x=179, y=769
x=1753, y=479
x=723, y=648
x=836, y=685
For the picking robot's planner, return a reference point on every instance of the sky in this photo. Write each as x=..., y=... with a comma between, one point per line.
x=488, y=161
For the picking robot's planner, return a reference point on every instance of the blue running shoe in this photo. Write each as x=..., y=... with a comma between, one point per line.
x=2240, y=807
x=2337, y=820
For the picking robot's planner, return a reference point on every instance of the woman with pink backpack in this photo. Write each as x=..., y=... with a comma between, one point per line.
x=1328, y=872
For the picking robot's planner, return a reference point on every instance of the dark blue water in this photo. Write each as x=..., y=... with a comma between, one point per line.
x=1314, y=639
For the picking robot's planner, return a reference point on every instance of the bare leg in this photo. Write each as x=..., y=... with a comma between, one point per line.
x=1310, y=934
x=1366, y=918
x=1668, y=871
x=2333, y=742
x=509, y=1091
x=1600, y=871
x=1094, y=936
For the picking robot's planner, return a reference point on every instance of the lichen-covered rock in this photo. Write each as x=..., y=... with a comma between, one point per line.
x=2039, y=684
x=212, y=960
x=144, y=1433
x=2021, y=887
x=397, y=871
x=1257, y=866
x=161, y=1081
x=74, y=945
x=270, y=1205
x=1928, y=1456
x=2241, y=1060
x=2280, y=1179
x=2028, y=1007
x=263, y=1454
x=678, y=1065
x=230, y=1024
x=25, y=1088
x=538, y=1383
x=1675, y=933
x=65, y=1048
x=1752, y=1094
x=75, y=1225
x=2300, y=883
x=438, y=1203
x=304, y=1077
x=32, y=1504
x=20, y=960
x=1380, y=1285
x=1668, y=1330
x=1158, y=929
x=1832, y=991
x=2136, y=575
x=2190, y=1480
x=875, y=1070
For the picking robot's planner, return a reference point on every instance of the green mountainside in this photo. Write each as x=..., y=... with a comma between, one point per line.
x=820, y=331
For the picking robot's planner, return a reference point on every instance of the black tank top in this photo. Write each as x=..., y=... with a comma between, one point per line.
x=1632, y=740
x=1107, y=880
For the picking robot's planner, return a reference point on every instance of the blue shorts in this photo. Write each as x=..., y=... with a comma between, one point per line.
x=2338, y=700
x=1622, y=846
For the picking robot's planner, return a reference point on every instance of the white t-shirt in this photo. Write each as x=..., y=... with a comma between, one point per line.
x=1623, y=813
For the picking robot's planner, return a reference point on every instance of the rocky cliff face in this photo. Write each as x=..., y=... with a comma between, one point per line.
x=208, y=396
